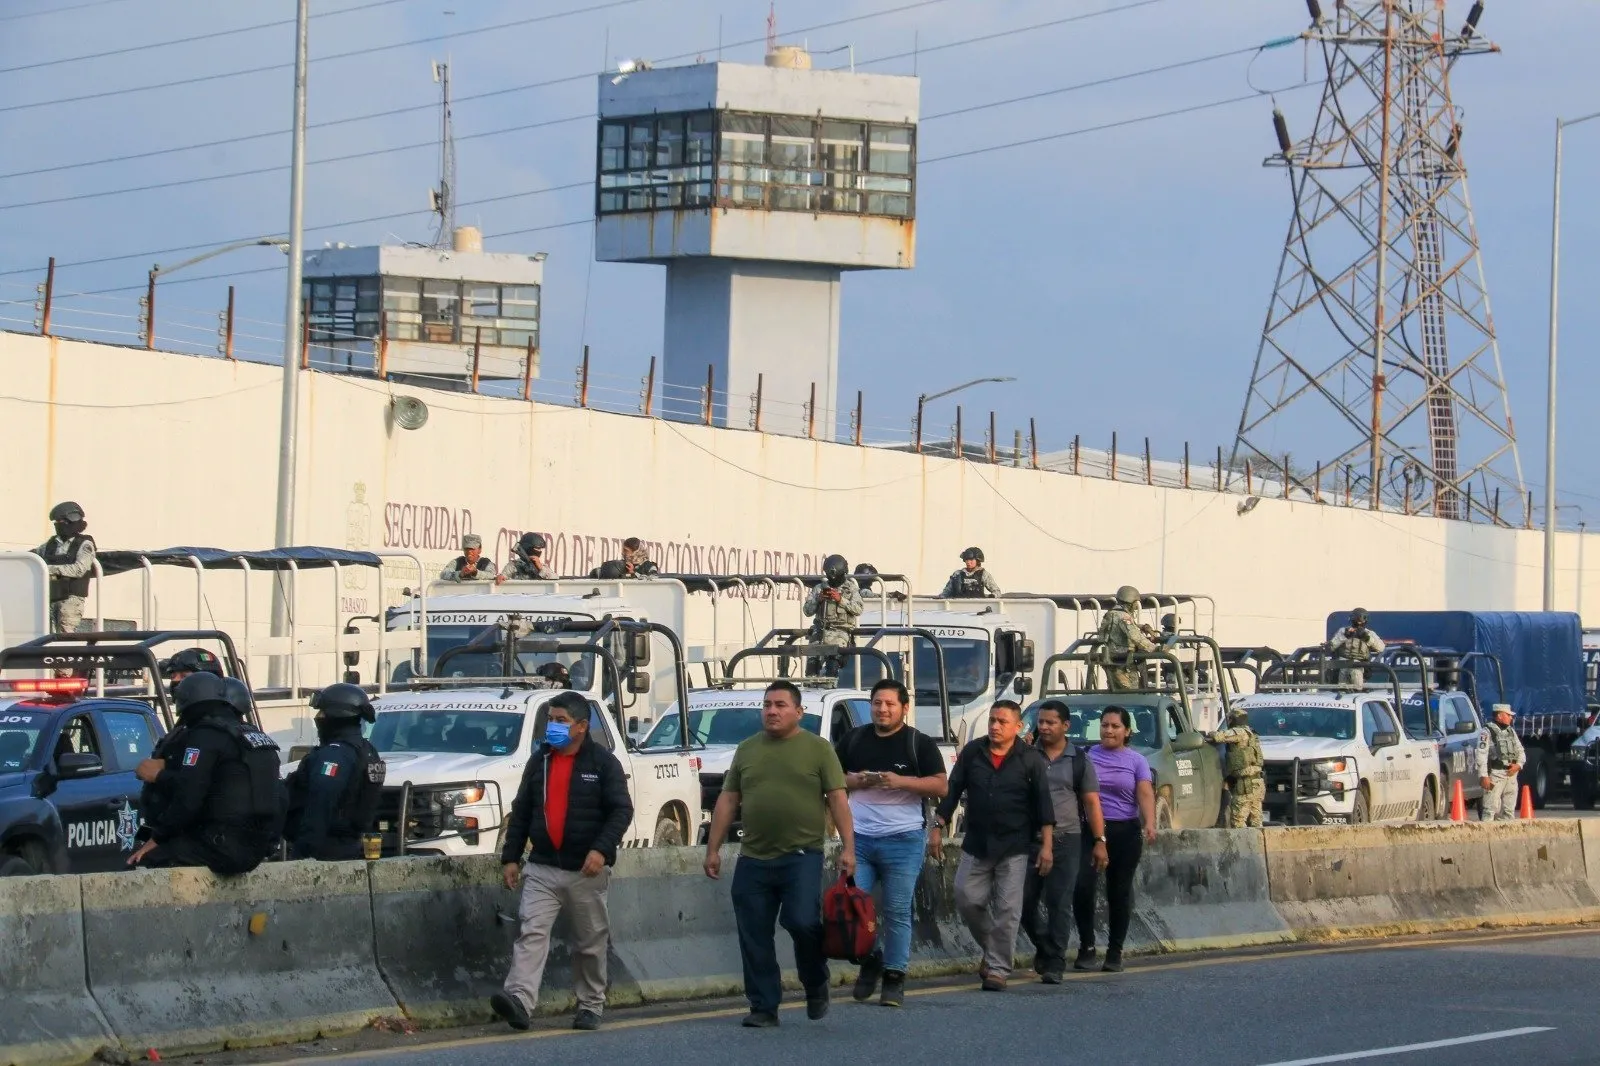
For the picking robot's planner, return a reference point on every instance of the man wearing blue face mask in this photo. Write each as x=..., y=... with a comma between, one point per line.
x=570, y=813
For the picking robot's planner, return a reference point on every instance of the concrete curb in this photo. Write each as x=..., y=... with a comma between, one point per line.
x=48, y=1016
x=182, y=960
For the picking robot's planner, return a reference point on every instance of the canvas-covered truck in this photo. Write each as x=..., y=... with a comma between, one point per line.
x=1532, y=660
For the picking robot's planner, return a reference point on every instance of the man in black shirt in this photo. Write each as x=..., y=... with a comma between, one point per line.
x=891, y=771
x=1006, y=786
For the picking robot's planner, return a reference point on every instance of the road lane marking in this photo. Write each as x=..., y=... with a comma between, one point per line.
x=1435, y=942
x=1455, y=1041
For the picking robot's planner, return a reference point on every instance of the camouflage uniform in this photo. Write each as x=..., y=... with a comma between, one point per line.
x=971, y=584
x=1245, y=787
x=1120, y=631
x=521, y=568
x=1359, y=645
x=70, y=561
x=1497, y=755
x=834, y=621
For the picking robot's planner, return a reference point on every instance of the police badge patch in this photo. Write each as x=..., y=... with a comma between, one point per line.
x=127, y=826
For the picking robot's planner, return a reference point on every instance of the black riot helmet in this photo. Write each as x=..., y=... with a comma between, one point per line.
x=530, y=543
x=1169, y=623
x=191, y=661
x=66, y=512
x=343, y=701
x=1358, y=617
x=556, y=674
x=197, y=692
x=975, y=554
x=238, y=697
x=835, y=569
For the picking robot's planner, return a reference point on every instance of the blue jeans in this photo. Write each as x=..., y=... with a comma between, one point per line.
x=767, y=892
x=896, y=861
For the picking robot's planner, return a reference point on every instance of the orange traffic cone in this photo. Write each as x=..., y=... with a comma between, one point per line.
x=1458, y=802
x=1525, y=808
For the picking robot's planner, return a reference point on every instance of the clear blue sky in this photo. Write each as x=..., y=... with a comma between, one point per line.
x=1120, y=276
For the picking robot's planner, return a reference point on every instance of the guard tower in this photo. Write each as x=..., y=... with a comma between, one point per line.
x=449, y=317
x=756, y=187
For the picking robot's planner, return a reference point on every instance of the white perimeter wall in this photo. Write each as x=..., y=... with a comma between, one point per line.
x=166, y=450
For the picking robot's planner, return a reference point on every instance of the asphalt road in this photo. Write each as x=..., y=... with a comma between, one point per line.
x=1488, y=997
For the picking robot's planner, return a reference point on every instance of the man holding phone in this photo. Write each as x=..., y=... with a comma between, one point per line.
x=891, y=772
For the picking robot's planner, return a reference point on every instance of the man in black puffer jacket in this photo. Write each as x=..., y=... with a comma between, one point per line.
x=571, y=812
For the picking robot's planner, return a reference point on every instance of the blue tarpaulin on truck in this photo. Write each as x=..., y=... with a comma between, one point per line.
x=1540, y=652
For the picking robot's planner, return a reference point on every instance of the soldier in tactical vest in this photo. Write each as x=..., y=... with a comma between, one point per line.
x=1122, y=636
x=1245, y=787
x=333, y=793
x=69, y=556
x=220, y=800
x=1357, y=643
x=470, y=565
x=833, y=605
x=972, y=581
x=527, y=561
x=1502, y=756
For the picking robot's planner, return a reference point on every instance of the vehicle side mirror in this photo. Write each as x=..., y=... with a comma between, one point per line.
x=1465, y=727
x=639, y=682
x=633, y=724
x=76, y=764
x=639, y=650
x=1024, y=658
x=1385, y=740
x=1023, y=683
x=1190, y=741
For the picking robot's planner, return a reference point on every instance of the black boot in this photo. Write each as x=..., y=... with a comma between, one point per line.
x=867, y=979
x=1086, y=959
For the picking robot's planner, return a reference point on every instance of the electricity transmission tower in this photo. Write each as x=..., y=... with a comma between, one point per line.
x=442, y=200
x=1379, y=358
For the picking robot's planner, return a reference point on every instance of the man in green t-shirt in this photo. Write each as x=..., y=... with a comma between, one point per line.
x=783, y=783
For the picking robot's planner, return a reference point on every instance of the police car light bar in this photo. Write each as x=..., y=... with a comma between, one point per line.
x=53, y=686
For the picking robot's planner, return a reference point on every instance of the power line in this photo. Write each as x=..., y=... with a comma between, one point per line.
x=588, y=183
x=181, y=182
x=58, y=10
x=220, y=142
x=211, y=36
x=371, y=50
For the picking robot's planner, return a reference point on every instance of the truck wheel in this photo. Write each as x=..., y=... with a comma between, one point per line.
x=1582, y=790
x=1361, y=812
x=669, y=834
x=14, y=866
x=1427, y=807
x=1536, y=776
x=1163, y=813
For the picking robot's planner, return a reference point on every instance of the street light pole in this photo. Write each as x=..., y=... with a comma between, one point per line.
x=1550, y=395
x=923, y=398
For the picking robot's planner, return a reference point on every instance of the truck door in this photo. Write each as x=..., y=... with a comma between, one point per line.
x=1196, y=776
x=1392, y=783
x=92, y=805
x=1462, y=734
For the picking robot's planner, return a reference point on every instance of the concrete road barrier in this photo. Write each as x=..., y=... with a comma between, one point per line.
x=183, y=960
x=46, y=1014
x=1204, y=888
x=1540, y=868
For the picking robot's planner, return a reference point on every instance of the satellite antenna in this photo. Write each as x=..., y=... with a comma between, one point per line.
x=442, y=200
x=408, y=412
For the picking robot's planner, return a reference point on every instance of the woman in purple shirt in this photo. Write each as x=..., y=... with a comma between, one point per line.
x=1129, y=802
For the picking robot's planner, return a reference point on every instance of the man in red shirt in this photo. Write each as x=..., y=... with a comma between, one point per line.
x=571, y=812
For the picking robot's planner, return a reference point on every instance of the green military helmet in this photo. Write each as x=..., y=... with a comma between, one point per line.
x=1128, y=596
x=1238, y=714
x=1358, y=617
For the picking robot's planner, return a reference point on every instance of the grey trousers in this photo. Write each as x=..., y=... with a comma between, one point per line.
x=1501, y=800
x=546, y=893
x=989, y=900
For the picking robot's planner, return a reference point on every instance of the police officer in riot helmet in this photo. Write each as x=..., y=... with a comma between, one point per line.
x=333, y=793
x=220, y=804
x=190, y=661
x=527, y=560
x=972, y=581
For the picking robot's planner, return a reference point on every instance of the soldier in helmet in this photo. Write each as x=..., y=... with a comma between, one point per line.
x=556, y=674
x=470, y=565
x=527, y=561
x=1122, y=634
x=190, y=661
x=1245, y=787
x=1358, y=643
x=833, y=605
x=69, y=557
x=220, y=804
x=333, y=793
x=972, y=581
x=635, y=562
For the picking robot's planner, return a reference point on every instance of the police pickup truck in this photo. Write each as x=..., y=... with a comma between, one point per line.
x=456, y=746
x=69, y=745
x=1334, y=749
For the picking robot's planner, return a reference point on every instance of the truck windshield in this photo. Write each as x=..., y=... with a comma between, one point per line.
x=1084, y=729
x=716, y=726
x=488, y=663
x=1333, y=723
x=1413, y=718
x=19, y=734
x=966, y=669
x=443, y=730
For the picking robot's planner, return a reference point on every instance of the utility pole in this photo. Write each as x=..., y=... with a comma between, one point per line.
x=283, y=533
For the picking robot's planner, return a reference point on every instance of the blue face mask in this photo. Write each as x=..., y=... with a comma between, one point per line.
x=556, y=734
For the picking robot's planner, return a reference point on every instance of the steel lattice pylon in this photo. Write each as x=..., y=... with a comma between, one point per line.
x=1401, y=401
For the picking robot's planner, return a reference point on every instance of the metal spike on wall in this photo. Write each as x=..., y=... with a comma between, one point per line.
x=1379, y=356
